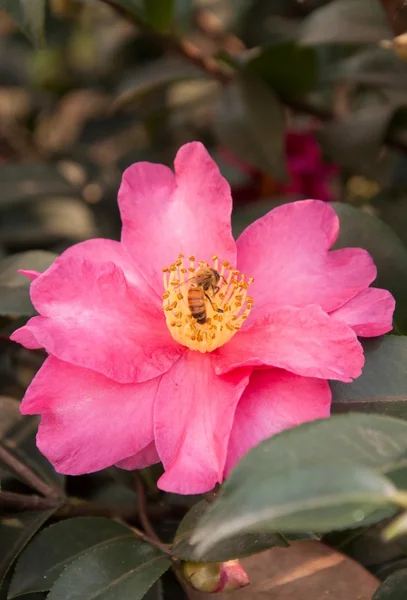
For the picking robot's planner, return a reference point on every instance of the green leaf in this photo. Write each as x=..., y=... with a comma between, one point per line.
x=359, y=229
x=291, y=71
x=394, y=588
x=250, y=122
x=58, y=546
x=124, y=570
x=29, y=16
x=15, y=531
x=20, y=182
x=354, y=141
x=255, y=488
x=346, y=22
x=237, y=546
x=317, y=497
x=14, y=287
x=159, y=13
x=382, y=387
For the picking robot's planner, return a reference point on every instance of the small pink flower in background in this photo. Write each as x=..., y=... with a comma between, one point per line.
x=132, y=378
x=310, y=176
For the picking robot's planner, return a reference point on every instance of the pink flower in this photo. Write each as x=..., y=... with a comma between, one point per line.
x=310, y=176
x=133, y=379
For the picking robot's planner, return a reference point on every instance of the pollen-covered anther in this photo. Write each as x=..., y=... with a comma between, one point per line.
x=205, y=303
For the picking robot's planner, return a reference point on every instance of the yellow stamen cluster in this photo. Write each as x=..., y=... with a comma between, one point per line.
x=225, y=305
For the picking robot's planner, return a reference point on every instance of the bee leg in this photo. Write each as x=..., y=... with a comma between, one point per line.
x=219, y=310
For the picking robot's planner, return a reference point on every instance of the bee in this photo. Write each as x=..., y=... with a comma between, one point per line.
x=204, y=280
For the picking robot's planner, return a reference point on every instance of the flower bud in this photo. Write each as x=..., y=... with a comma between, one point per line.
x=212, y=577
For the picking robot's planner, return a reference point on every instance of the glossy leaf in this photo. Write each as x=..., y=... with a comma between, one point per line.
x=291, y=71
x=29, y=16
x=359, y=229
x=271, y=478
x=250, y=122
x=124, y=570
x=235, y=547
x=382, y=387
x=354, y=141
x=15, y=531
x=394, y=588
x=58, y=546
x=317, y=497
x=346, y=21
x=14, y=288
x=20, y=182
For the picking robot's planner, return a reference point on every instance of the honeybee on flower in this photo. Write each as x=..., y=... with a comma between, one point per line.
x=133, y=377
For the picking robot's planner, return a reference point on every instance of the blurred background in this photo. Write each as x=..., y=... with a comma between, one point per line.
x=293, y=98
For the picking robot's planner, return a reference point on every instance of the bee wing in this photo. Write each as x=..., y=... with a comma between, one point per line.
x=186, y=281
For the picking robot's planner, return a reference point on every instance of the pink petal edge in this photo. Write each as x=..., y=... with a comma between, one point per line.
x=305, y=341
x=273, y=401
x=286, y=252
x=89, y=422
x=165, y=215
x=370, y=313
x=193, y=416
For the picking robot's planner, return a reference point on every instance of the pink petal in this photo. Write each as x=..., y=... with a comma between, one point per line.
x=89, y=422
x=369, y=314
x=305, y=341
x=29, y=273
x=91, y=318
x=165, y=215
x=193, y=416
x=25, y=336
x=145, y=458
x=102, y=250
x=286, y=252
x=273, y=401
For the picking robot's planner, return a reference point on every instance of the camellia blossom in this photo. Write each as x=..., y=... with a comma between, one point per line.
x=133, y=378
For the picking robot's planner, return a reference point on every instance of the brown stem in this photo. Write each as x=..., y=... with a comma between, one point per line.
x=142, y=508
x=26, y=501
x=27, y=474
x=77, y=508
x=396, y=11
x=184, y=48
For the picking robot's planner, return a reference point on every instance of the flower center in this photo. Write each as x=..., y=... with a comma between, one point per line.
x=204, y=305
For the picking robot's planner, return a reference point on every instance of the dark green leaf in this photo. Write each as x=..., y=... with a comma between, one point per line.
x=58, y=546
x=159, y=13
x=394, y=588
x=382, y=387
x=125, y=570
x=15, y=532
x=348, y=441
x=317, y=497
x=354, y=141
x=20, y=182
x=291, y=71
x=237, y=546
x=372, y=66
x=29, y=16
x=359, y=229
x=14, y=288
x=152, y=77
x=346, y=21
x=250, y=122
